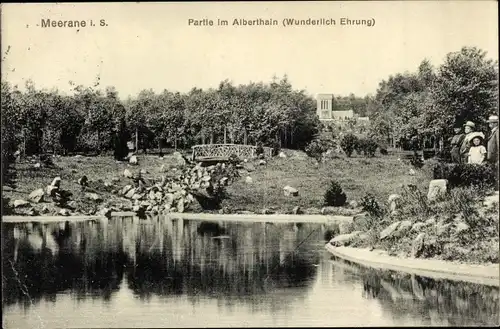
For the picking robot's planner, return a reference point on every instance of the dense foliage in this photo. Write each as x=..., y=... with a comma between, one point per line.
x=39, y=121
x=406, y=109
x=371, y=206
x=315, y=149
x=465, y=175
x=409, y=107
x=366, y=146
x=318, y=146
x=349, y=143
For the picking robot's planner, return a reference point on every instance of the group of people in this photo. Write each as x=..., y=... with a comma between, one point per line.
x=470, y=146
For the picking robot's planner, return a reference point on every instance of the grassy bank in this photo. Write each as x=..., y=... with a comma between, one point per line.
x=380, y=176
x=462, y=225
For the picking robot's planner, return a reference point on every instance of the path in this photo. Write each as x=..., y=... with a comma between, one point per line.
x=432, y=268
x=285, y=218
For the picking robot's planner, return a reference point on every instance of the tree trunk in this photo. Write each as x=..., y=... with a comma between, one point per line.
x=98, y=140
x=286, y=137
x=41, y=146
x=245, y=137
x=211, y=137
x=175, y=141
x=24, y=143
x=422, y=146
x=225, y=135
x=159, y=147
x=136, y=140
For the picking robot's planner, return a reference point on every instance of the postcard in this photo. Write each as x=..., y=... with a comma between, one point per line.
x=250, y=164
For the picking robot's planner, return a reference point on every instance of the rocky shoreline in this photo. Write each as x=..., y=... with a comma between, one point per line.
x=184, y=188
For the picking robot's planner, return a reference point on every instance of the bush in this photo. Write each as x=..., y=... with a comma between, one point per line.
x=366, y=146
x=220, y=172
x=371, y=206
x=443, y=155
x=481, y=176
x=371, y=148
x=483, y=225
x=334, y=196
x=465, y=175
x=6, y=206
x=360, y=146
x=275, y=146
x=383, y=150
x=349, y=143
x=216, y=190
x=462, y=200
x=47, y=160
x=372, y=225
x=315, y=149
x=259, y=150
x=416, y=160
x=442, y=170
x=234, y=159
x=413, y=203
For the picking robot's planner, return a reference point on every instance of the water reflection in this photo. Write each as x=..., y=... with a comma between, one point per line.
x=257, y=274
x=158, y=256
x=435, y=302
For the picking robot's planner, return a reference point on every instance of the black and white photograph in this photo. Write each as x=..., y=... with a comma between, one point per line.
x=250, y=164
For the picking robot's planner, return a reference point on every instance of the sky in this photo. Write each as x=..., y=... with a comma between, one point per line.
x=152, y=45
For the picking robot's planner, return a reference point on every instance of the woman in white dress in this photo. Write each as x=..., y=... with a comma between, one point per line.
x=477, y=151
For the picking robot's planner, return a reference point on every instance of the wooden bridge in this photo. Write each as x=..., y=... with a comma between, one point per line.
x=222, y=152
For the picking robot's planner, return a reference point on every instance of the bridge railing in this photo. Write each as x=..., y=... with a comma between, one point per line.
x=226, y=150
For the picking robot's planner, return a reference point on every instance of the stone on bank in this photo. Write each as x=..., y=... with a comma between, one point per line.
x=345, y=239
x=290, y=191
x=36, y=196
x=437, y=188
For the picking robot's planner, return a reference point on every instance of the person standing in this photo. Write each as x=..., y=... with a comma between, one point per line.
x=464, y=148
x=492, y=146
x=455, y=143
x=477, y=152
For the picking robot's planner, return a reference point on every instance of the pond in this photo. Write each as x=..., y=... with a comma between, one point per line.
x=161, y=272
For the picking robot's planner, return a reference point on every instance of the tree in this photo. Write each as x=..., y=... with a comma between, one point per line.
x=33, y=106
x=466, y=88
x=10, y=124
x=64, y=124
x=167, y=120
x=98, y=124
x=137, y=111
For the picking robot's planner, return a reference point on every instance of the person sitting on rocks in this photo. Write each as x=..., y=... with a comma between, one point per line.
x=477, y=152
